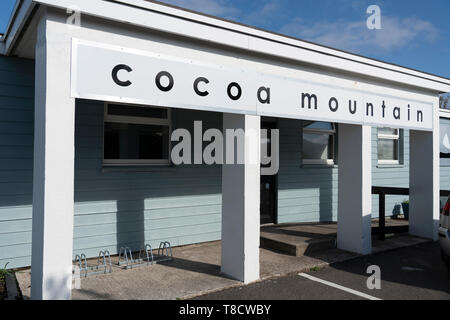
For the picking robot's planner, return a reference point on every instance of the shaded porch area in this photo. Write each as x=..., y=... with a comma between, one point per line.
x=302, y=239
x=196, y=269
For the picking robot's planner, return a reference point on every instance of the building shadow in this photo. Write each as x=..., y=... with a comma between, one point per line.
x=418, y=266
x=306, y=192
x=194, y=266
x=118, y=207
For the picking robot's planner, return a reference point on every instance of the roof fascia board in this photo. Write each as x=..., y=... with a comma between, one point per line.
x=267, y=34
x=176, y=21
x=17, y=24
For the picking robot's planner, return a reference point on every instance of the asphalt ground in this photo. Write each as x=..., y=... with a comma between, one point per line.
x=411, y=273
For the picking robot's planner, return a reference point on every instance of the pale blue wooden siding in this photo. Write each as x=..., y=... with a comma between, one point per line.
x=309, y=193
x=117, y=207
x=16, y=160
x=306, y=194
x=114, y=207
x=390, y=176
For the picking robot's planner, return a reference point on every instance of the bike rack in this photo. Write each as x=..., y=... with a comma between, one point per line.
x=103, y=266
x=126, y=259
x=164, y=252
x=145, y=257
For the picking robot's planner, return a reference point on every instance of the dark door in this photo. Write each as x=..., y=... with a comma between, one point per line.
x=268, y=206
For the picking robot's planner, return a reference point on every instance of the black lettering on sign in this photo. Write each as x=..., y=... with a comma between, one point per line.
x=197, y=90
x=397, y=113
x=333, y=104
x=369, y=106
x=265, y=100
x=115, y=77
x=310, y=98
x=158, y=81
x=419, y=116
x=352, y=110
x=230, y=94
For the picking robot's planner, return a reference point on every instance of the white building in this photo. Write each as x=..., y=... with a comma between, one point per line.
x=92, y=80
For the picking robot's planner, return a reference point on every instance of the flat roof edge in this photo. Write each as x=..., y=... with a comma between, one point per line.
x=179, y=21
x=255, y=31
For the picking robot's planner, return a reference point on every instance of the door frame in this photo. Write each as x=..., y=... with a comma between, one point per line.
x=273, y=125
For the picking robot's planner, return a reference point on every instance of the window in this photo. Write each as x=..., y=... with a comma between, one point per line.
x=318, y=142
x=444, y=150
x=136, y=135
x=444, y=101
x=388, y=146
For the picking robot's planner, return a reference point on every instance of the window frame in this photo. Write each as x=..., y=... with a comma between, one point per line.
x=137, y=120
x=332, y=134
x=394, y=137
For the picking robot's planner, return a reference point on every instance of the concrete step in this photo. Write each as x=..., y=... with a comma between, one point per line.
x=296, y=247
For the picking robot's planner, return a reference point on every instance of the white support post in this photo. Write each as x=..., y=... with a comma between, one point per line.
x=424, y=182
x=53, y=180
x=240, y=201
x=355, y=189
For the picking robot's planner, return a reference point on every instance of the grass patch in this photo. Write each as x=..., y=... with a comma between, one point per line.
x=315, y=269
x=3, y=273
x=2, y=287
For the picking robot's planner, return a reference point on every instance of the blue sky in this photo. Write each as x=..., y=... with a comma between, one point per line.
x=6, y=7
x=414, y=33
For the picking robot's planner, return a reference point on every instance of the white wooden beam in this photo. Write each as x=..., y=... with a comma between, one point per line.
x=53, y=181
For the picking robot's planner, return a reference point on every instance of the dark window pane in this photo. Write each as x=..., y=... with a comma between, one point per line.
x=111, y=143
x=387, y=149
x=317, y=146
x=136, y=141
x=131, y=111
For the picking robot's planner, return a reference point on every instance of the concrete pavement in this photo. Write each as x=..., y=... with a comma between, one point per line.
x=196, y=271
x=411, y=273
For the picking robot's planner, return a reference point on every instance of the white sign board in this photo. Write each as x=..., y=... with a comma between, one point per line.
x=103, y=72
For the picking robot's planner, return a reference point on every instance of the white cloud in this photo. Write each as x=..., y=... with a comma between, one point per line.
x=259, y=16
x=396, y=33
x=269, y=8
x=213, y=7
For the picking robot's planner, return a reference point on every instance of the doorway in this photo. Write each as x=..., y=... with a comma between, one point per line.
x=268, y=184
